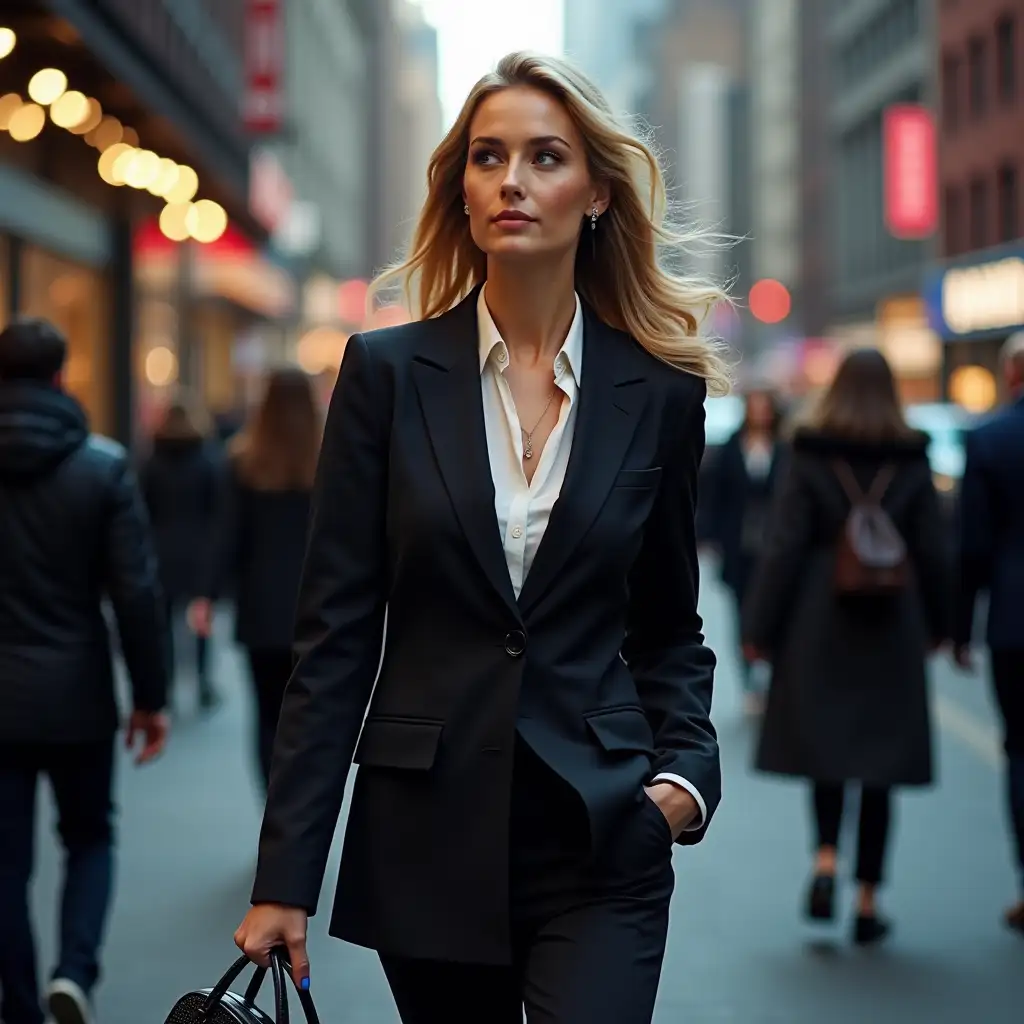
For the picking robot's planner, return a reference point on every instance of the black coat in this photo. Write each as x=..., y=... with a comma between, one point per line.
x=848, y=698
x=404, y=520
x=262, y=543
x=992, y=529
x=74, y=530
x=182, y=484
x=738, y=507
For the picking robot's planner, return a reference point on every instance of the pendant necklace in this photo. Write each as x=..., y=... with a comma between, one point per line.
x=528, y=434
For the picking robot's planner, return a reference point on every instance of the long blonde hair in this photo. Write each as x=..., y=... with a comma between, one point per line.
x=622, y=278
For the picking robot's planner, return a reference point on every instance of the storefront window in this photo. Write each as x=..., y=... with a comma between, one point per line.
x=75, y=299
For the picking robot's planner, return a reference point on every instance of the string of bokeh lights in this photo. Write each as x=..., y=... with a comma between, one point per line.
x=122, y=160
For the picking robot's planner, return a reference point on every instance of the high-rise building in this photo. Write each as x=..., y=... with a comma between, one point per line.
x=879, y=54
x=975, y=293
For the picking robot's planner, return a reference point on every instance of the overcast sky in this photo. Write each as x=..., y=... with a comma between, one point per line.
x=475, y=34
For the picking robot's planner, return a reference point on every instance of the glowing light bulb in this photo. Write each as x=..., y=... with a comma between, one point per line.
x=47, y=86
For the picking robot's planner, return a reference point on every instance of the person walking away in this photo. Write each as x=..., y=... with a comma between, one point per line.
x=74, y=532
x=853, y=590
x=992, y=560
x=262, y=539
x=742, y=481
x=182, y=484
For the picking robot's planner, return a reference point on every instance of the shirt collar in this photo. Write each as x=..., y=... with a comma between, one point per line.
x=492, y=345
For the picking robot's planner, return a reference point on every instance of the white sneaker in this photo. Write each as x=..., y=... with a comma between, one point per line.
x=67, y=1003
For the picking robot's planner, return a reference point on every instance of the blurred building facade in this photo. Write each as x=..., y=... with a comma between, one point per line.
x=975, y=293
x=879, y=54
x=290, y=175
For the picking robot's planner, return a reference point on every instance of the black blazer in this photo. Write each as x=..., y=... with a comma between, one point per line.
x=992, y=529
x=404, y=520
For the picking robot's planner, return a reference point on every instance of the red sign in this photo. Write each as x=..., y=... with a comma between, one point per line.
x=911, y=171
x=264, y=102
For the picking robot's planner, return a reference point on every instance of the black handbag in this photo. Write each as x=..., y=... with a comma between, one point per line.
x=219, y=1005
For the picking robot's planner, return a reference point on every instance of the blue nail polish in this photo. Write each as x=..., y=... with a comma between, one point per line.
x=305, y=984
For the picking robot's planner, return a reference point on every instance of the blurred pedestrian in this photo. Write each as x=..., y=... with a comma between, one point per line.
x=992, y=560
x=182, y=483
x=262, y=539
x=74, y=532
x=852, y=592
x=513, y=479
x=739, y=498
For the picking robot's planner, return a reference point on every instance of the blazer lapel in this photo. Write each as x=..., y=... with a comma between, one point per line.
x=612, y=393
x=447, y=378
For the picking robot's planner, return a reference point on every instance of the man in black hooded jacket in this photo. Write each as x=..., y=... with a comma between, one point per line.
x=73, y=534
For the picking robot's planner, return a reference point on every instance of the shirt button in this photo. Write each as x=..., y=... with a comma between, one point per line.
x=517, y=532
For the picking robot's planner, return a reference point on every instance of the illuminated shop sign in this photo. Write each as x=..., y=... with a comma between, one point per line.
x=980, y=299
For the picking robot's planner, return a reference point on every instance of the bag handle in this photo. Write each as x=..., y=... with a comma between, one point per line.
x=875, y=493
x=279, y=967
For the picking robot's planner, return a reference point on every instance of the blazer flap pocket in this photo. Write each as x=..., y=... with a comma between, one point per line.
x=639, y=477
x=398, y=743
x=624, y=728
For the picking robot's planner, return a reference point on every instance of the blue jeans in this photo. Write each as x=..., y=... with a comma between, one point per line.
x=81, y=776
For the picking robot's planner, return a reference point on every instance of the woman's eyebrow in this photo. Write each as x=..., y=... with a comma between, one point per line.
x=539, y=140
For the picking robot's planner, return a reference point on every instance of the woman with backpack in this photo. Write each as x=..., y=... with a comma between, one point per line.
x=852, y=593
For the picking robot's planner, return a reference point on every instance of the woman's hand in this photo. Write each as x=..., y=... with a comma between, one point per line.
x=677, y=804
x=200, y=616
x=269, y=925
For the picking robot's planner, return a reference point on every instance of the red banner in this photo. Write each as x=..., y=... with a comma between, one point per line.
x=911, y=171
x=265, y=43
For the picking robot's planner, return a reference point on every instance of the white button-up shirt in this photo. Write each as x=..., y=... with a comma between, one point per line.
x=523, y=507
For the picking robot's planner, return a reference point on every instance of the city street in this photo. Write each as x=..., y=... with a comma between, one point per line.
x=738, y=949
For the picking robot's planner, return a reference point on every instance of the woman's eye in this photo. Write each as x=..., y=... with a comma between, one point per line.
x=548, y=157
x=484, y=156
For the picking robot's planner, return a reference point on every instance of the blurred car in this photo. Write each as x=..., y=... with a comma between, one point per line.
x=945, y=424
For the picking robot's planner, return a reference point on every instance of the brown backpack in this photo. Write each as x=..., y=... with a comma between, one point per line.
x=871, y=556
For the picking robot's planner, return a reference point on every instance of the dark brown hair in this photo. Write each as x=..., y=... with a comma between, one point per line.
x=772, y=397
x=184, y=419
x=280, y=445
x=862, y=402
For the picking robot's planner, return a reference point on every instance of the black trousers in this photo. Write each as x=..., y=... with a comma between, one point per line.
x=81, y=776
x=270, y=669
x=588, y=930
x=872, y=831
x=1008, y=681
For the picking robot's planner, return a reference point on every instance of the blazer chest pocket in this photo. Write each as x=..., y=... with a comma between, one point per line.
x=638, y=479
x=623, y=729
x=409, y=743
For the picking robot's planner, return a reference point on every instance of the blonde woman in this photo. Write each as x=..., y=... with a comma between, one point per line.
x=512, y=478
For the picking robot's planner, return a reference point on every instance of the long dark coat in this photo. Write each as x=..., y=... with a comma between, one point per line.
x=182, y=481
x=848, y=700
x=738, y=507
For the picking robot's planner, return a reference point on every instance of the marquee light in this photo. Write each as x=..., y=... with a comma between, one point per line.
x=47, y=86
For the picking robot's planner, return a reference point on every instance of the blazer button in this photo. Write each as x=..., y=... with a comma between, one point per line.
x=515, y=643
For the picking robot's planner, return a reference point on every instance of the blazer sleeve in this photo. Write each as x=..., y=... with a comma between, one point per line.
x=338, y=635
x=664, y=645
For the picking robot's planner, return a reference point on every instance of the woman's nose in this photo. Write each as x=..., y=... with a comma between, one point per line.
x=511, y=186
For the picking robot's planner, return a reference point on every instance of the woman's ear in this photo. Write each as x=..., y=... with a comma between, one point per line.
x=601, y=198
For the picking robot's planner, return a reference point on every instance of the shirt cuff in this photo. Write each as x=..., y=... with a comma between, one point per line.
x=677, y=780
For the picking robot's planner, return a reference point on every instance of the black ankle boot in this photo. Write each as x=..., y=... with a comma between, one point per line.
x=869, y=929
x=821, y=898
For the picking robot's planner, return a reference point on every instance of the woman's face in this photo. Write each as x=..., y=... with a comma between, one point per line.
x=760, y=413
x=526, y=181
